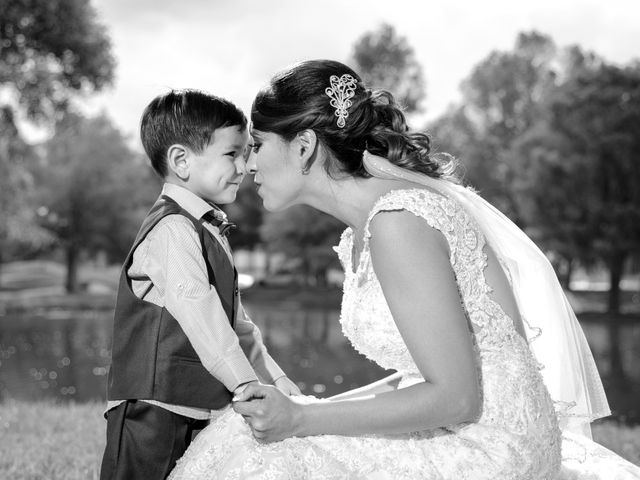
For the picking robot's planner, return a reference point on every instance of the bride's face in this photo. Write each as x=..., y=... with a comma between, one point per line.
x=276, y=175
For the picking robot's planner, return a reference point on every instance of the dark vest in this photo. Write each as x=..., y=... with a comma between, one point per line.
x=152, y=357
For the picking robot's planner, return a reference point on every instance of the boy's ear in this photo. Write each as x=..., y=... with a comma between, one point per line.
x=307, y=143
x=178, y=161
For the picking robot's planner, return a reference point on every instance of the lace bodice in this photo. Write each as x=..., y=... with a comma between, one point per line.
x=365, y=317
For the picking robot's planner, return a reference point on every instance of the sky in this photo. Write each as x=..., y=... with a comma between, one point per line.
x=231, y=48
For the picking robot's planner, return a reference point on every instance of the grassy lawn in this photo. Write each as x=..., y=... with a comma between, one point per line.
x=45, y=440
x=623, y=440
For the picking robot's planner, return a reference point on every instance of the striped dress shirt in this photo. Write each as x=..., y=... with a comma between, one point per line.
x=168, y=269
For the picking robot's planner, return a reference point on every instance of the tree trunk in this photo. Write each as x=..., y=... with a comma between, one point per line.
x=306, y=267
x=567, y=272
x=616, y=264
x=72, y=269
x=321, y=277
x=326, y=326
x=270, y=264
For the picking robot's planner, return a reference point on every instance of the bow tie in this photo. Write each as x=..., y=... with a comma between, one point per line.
x=218, y=218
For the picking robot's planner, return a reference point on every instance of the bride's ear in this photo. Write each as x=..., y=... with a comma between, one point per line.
x=307, y=143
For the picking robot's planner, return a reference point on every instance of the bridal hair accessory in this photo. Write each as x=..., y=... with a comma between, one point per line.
x=342, y=90
x=553, y=332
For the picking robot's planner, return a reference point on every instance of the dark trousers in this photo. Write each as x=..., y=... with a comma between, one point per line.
x=144, y=441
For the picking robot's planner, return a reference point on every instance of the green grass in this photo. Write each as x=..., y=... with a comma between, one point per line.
x=623, y=440
x=54, y=441
x=45, y=440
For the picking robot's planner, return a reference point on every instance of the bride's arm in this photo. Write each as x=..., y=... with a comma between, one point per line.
x=411, y=261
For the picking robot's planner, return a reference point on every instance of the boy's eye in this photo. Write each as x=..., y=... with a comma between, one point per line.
x=256, y=147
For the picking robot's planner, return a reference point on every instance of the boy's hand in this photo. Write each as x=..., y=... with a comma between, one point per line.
x=286, y=386
x=240, y=388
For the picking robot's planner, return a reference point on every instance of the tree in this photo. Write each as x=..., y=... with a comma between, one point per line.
x=94, y=190
x=305, y=233
x=552, y=136
x=455, y=133
x=49, y=52
x=506, y=96
x=248, y=213
x=385, y=60
x=557, y=215
x=598, y=113
x=584, y=151
x=543, y=155
x=503, y=97
x=17, y=226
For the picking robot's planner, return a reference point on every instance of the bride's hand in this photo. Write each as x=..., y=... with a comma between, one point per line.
x=272, y=415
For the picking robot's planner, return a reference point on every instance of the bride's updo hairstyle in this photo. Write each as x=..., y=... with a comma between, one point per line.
x=296, y=99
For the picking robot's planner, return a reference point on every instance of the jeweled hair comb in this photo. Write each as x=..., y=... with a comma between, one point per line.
x=342, y=90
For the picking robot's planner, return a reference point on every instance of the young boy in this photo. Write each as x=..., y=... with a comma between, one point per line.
x=182, y=343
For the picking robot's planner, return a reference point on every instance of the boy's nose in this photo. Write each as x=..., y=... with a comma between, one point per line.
x=241, y=168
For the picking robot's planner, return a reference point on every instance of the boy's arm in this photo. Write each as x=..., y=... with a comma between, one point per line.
x=175, y=265
x=266, y=367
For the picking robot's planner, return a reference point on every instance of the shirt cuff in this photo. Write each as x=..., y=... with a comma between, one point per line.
x=234, y=370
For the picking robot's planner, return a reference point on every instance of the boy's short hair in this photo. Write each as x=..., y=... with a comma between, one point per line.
x=186, y=117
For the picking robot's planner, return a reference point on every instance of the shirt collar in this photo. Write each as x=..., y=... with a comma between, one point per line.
x=192, y=203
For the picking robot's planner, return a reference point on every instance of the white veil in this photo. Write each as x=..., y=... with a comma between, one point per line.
x=553, y=332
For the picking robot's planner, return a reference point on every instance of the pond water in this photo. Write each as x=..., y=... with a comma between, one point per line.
x=64, y=355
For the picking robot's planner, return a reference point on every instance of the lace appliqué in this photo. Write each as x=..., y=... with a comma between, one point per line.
x=362, y=306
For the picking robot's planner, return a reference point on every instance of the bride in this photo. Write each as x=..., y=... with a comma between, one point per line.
x=495, y=379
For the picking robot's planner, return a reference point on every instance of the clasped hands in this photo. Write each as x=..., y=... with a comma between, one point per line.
x=272, y=412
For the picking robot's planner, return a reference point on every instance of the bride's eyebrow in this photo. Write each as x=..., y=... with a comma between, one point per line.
x=254, y=134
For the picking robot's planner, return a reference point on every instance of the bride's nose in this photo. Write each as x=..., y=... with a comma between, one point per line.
x=251, y=164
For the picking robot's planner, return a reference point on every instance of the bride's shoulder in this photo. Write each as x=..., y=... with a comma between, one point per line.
x=415, y=196
x=422, y=202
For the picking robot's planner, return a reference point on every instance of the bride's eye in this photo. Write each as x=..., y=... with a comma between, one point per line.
x=255, y=147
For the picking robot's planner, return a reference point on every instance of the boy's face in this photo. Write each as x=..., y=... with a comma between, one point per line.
x=216, y=173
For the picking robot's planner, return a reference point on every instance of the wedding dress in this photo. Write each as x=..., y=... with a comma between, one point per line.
x=516, y=436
